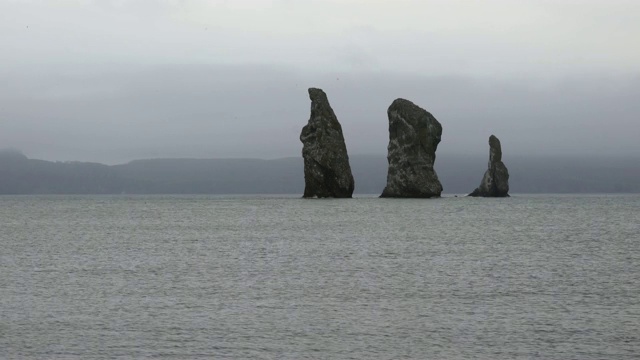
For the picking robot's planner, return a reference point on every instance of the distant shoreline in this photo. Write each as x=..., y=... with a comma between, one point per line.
x=457, y=173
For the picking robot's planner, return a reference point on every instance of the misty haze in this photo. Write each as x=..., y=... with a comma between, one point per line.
x=154, y=156
x=114, y=114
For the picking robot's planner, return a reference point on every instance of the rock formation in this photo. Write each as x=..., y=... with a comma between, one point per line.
x=495, y=182
x=414, y=135
x=326, y=164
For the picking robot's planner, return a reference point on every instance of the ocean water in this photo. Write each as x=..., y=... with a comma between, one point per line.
x=187, y=277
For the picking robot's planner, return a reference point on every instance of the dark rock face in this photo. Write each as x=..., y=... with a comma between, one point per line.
x=495, y=182
x=414, y=135
x=326, y=164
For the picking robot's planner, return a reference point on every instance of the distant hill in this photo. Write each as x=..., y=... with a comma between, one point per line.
x=458, y=174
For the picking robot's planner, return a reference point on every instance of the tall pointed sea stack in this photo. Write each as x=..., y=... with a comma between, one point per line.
x=414, y=135
x=495, y=182
x=326, y=164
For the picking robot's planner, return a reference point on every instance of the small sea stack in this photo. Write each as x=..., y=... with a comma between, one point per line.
x=327, y=172
x=495, y=182
x=414, y=135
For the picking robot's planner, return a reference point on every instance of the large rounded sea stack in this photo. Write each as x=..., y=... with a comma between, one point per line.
x=326, y=164
x=414, y=135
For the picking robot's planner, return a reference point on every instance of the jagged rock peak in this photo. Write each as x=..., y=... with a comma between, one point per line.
x=327, y=172
x=495, y=150
x=316, y=94
x=495, y=182
x=414, y=135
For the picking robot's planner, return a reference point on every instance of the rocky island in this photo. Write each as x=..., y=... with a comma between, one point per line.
x=495, y=182
x=414, y=135
x=326, y=164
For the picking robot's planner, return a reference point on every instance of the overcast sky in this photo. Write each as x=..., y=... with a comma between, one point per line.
x=112, y=81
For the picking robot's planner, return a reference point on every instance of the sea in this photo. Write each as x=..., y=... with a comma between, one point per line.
x=280, y=277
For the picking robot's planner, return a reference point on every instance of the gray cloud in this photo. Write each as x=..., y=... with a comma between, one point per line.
x=494, y=37
x=116, y=80
x=242, y=111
